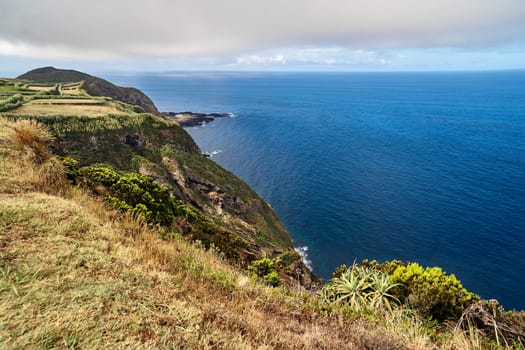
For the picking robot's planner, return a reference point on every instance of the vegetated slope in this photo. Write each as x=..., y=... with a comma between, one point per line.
x=92, y=85
x=161, y=149
x=235, y=218
x=76, y=274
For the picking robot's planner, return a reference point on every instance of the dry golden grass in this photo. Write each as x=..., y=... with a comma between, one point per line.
x=40, y=88
x=66, y=101
x=71, y=90
x=66, y=107
x=74, y=274
x=27, y=161
x=70, y=277
x=31, y=139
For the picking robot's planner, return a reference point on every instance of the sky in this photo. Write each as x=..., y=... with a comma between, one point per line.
x=288, y=35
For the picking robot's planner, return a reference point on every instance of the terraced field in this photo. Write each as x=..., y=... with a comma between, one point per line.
x=39, y=88
x=54, y=99
x=67, y=107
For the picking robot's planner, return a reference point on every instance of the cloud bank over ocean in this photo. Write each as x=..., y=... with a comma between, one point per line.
x=294, y=35
x=176, y=28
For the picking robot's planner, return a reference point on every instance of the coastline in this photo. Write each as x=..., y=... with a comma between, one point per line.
x=189, y=119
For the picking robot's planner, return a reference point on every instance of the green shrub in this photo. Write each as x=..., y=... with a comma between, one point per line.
x=47, y=96
x=265, y=268
x=273, y=279
x=146, y=197
x=141, y=195
x=434, y=294
x=388, y=266
x=12, y=102
x=339, y=271
x=261, y=267
x=71, y=169
x=101, y=174
x=288, y=258
x=134, y=192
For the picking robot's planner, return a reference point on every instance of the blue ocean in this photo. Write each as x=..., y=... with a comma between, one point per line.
x=426, y=167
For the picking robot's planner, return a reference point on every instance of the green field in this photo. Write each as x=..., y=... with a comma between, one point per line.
x=56, y=99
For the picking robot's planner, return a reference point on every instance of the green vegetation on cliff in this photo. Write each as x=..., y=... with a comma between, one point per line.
x=139, y=147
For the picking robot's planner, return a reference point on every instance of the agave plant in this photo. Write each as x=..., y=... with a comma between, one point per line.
x=361, y=287
x=353, y=287
x=381, y=297
x=327, y=294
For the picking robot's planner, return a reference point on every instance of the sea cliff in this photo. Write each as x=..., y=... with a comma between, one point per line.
x=91, y=130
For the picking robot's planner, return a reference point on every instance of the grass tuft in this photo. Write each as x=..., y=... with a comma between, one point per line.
x=52, y=174
x=32, y=139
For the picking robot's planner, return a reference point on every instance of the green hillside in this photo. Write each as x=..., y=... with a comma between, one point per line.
x=92, y=85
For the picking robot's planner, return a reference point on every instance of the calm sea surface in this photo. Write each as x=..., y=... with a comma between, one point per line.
x=426, y=167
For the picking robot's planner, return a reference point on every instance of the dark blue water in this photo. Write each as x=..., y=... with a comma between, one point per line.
x=426, y=167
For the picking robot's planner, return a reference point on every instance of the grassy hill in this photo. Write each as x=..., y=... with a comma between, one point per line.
x=116, y=232
x=92, y=85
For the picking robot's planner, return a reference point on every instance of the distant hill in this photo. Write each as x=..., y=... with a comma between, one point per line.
x=92, y=85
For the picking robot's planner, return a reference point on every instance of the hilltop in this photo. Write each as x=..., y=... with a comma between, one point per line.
x=92, y=85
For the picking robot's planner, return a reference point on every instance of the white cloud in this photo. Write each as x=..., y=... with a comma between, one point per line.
x=23, y=49
x=183, y=28
x=325, y=56
x=260, y=59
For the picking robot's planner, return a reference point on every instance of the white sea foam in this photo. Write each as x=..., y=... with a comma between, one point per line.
x=303, y=252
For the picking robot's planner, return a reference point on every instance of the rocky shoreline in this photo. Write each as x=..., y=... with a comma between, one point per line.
x=188, y=119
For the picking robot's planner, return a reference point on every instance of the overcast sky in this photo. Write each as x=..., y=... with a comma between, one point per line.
x=268, y=34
